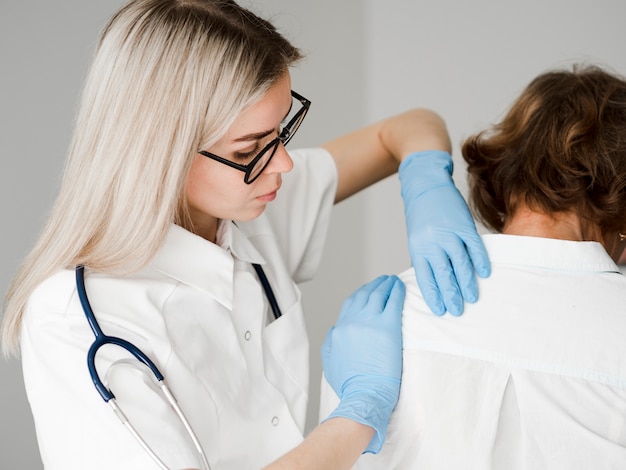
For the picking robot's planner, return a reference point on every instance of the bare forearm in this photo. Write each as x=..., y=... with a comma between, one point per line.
x=372, y=153
x=335, y=444
x=414, y=131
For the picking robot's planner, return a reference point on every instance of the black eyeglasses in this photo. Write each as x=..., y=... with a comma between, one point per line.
x=254, y=169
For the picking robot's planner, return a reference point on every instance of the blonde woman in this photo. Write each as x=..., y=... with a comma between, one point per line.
x=164, y=247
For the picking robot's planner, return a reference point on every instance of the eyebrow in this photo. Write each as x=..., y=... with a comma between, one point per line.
x=253, y=136
x=262, y=134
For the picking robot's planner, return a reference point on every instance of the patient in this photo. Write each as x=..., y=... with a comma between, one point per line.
x=533, y=375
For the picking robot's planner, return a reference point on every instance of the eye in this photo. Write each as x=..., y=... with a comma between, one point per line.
x=248, y=155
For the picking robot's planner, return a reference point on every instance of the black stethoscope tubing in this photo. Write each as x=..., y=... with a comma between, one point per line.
x=101, y=339
x=269, y=293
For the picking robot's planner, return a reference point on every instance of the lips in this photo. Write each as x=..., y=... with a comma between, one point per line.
x=271, y=195
x=268, y=197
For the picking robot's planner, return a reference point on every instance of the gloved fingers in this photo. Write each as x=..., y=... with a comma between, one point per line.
x=370, y=299
x=428, y=286
x=478, y=254
x=379, y=297
x=395, y=301
x=447, y=282
x=463, y=270
x=443, y=279
x=355, y=304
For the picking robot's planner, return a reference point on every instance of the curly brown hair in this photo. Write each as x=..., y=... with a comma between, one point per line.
x=561, y=147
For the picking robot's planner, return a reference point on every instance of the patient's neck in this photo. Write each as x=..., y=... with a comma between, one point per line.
x=561, y=225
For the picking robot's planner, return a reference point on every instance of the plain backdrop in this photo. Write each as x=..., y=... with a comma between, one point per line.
x=366, y=60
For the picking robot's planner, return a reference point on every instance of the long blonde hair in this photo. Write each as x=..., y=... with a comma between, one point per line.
x=168, y=78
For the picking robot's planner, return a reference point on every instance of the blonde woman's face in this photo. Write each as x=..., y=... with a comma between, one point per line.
x=217, y=191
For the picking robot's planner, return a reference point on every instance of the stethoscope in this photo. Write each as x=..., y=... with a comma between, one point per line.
x=106, y=394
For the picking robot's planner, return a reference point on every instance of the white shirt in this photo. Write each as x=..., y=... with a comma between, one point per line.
x=532, y=376
x=199, y=312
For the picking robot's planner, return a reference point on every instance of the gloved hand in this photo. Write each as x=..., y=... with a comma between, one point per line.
x=444, y=246
x=362, y=355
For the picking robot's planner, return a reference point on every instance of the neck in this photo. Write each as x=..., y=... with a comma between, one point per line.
x=560, y=225
x=564, y=226
x=202, y=225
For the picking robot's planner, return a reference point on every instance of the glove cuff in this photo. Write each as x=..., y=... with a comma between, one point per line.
x=429, y=158
x=422, y=171
x=369, y=408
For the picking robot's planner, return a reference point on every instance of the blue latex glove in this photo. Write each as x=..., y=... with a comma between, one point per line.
x=362, y=356
x=444, y=246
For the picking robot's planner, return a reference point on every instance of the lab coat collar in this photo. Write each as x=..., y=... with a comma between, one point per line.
x=549, y=253
x=232, y=238
x=207, y=266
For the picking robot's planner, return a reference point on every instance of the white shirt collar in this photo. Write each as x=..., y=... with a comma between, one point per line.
x=207, y=266
x=232, y=238
x=563, y=255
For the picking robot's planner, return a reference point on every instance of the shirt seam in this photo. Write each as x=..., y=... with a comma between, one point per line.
x=520, y=363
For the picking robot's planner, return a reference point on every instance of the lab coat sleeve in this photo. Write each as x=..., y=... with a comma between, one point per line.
x=300, y=215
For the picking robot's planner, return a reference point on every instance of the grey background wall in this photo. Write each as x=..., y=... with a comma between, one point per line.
x=468, y=60
x=365, y=60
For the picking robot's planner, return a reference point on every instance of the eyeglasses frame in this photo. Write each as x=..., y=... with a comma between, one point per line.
x=284, y=137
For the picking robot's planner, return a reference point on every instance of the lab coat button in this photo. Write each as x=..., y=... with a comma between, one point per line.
x=275, y=421
x=247, y=335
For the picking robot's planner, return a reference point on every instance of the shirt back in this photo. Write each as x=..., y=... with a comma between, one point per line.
x=532, y=376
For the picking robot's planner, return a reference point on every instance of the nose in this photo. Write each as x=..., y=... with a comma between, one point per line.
x=281, y=162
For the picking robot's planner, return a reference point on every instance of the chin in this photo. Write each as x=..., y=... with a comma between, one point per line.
x=250, y=215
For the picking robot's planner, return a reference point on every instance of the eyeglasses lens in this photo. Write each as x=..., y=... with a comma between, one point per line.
x=261, y=163
x=293, y=123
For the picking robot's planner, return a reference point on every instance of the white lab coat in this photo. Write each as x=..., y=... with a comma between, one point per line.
x=199, y=312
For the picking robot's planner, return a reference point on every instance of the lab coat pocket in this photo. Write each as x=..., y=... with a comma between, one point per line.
x=287, y=358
